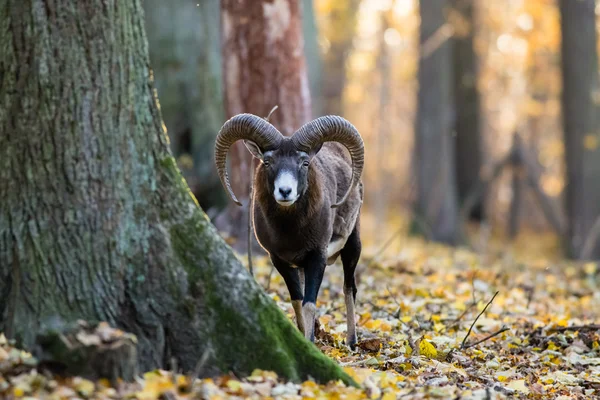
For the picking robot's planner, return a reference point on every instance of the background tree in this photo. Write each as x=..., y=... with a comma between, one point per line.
x=581, y=123
x=312, y=52
x=97, y=222
x=185, y=53
x=467, y=105
x=436, y=207
x=340, y=33
x=263, y=66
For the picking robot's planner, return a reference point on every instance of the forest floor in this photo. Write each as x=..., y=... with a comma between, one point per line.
x=534, y=336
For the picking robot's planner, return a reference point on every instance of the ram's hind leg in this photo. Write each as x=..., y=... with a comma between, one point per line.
x=293, y=281
x=350, y=255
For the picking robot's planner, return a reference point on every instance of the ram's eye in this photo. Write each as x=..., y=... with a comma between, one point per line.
x=305, y=163
x=266, y=163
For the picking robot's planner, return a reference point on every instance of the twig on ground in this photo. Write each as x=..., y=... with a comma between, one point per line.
x=200, y=365
x=491, y=335
x=269, y=279
x=457, y=320
x=355, y=363
x=589, y=327
x=591, y=240
x=250, y=266
x=462, y=346
x=397, y=313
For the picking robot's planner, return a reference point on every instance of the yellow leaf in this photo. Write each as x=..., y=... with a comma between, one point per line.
x=234, y=385
x=590, y=142
x=373, y=324
x=502, y=378
x=519, y=386
x=406, y=319
x=421, y=293
x=590, y=268
x=427, y=349
x=552, y=346
x=84, y=387
x=389, y=396
x=364, y=318
x=18, y=392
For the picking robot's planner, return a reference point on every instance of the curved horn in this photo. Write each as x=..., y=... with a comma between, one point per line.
x=332, y=128
x=248, y=127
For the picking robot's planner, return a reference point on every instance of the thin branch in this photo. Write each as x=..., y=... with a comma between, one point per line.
x=271, y=113
x=480, y=188
x=590, y=327
x=457, y=320
x=269, y=279
x=462, y=346
x=250, y=201
x=491, y=335
x=200, y=365
x=591, y=240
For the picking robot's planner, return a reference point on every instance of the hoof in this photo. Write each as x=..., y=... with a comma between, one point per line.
x=351, y=342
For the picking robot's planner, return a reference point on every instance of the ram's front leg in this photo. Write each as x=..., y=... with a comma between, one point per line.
x=314, y=269
x=291, y=277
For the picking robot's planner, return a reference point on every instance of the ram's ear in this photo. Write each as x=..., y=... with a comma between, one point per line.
x=254, y=149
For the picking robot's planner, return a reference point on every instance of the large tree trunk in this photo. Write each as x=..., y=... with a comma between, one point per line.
x=581, y=121
x=185, y=53
x=466, y=102
x=312, y=52
x=436, y=206
x=263, y=67
x=96, y=221
x=340, y=31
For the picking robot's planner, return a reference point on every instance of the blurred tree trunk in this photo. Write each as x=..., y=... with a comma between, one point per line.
x=263, y=66
x=437, y=206
x=185, y=56
x=312, y=52
x=466, y=102
x=581, y=121
x=96, y=221
x=340, y=31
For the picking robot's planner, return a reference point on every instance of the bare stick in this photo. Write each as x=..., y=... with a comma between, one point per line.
x=591, y=240
x=552, y=215
x=385, y=245
x=269, y=278
x=457, y=320
x=200, y=366
x=271, y=112
x=250, y=201
x=462, y=346
x=480, y=188
x=590, y=327
x=491, y=335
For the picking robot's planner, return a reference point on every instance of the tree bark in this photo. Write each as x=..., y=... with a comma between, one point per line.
x=434, y=157
x=185, y=55
x=340, y=32
x=97, y=222
x=581, y=123
x=466, y=102
x=263, y=67
x=312, y=52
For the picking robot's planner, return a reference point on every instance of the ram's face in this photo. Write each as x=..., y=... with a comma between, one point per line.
x=287, y=174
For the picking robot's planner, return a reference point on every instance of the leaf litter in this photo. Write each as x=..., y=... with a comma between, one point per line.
x=433, y=322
